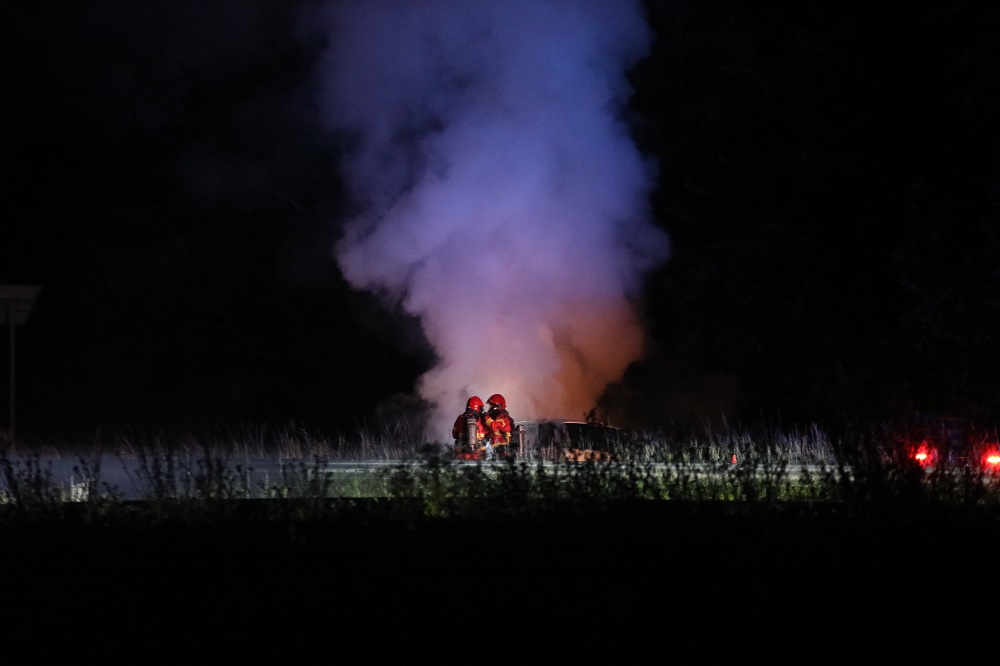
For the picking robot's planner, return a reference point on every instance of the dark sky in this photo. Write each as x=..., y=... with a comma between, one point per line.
x=828, y=177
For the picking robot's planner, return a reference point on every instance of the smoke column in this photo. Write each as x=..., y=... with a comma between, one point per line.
x=499, y=195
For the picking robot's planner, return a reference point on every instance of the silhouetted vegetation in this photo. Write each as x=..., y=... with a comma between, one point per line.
x=666, y=520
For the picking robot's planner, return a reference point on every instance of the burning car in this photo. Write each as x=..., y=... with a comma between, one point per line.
x=555, y=440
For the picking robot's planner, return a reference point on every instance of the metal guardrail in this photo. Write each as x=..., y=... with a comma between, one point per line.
x=129, y=480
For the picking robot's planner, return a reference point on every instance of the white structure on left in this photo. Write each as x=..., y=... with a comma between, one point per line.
x=16, y=302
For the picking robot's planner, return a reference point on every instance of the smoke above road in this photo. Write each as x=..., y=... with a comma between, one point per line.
x=499, y=197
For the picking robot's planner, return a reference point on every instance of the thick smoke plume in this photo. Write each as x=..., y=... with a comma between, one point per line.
x=501, y=198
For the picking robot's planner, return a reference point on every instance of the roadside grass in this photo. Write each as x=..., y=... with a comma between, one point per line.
x=670, y=532
x=766, y=467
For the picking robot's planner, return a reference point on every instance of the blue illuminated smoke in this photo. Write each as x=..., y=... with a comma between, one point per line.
x=499, y=195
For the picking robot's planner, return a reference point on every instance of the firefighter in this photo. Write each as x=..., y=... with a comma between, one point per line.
x=464, y=448
x=499, y=426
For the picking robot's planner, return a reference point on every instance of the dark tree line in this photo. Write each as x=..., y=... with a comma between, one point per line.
x=830, y=180
x=171, y=191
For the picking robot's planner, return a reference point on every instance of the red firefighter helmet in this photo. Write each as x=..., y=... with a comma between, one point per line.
x=475, y=402
x=497, y=400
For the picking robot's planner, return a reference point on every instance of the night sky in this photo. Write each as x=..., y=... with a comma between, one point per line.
x=238, y=212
